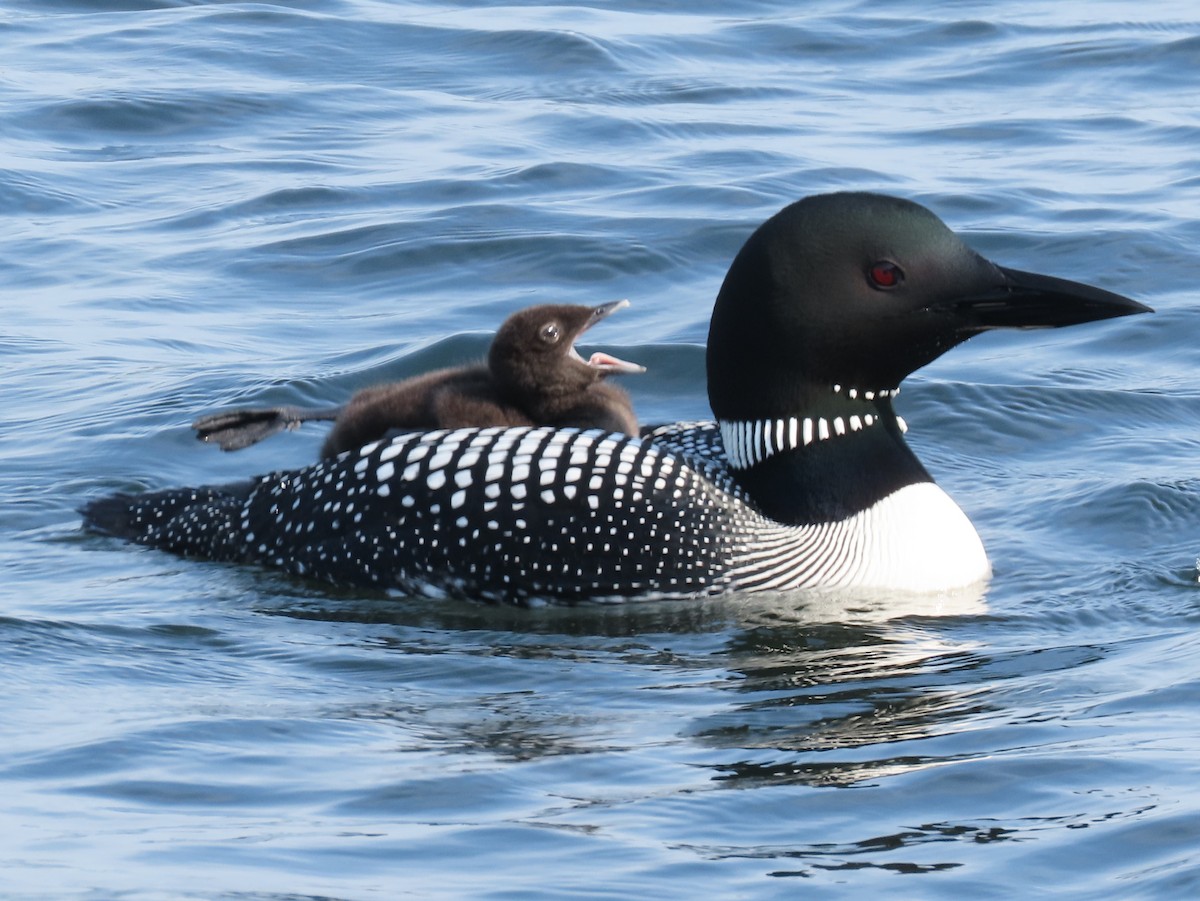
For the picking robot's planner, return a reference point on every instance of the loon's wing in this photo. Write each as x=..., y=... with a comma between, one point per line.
x=520, y=515
x=236, y=429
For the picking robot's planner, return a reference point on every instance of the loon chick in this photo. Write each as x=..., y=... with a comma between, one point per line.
x=533, y=376
x=804, y=480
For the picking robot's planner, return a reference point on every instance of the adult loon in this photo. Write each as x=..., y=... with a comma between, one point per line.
x=533, y=376
x=804, y=480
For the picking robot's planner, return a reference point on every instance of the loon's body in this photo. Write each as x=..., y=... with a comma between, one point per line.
x=533, y=376
x=804, y=480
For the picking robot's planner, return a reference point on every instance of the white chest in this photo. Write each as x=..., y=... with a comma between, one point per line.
x=916, y=539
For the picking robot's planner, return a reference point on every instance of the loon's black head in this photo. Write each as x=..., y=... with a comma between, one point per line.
x=857, y=291
x=533, y=355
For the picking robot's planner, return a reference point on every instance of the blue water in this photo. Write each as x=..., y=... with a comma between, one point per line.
x=211, y=204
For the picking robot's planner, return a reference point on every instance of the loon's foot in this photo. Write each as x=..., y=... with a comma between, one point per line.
x=236, y=429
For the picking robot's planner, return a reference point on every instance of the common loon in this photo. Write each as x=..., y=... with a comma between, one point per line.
x=804, y=480
x=533, y=376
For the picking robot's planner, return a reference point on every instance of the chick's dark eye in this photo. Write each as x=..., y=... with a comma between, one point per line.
x=885, y=275
x=549, y=333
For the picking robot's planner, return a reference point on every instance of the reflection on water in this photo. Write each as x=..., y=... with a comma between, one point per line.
x=799, y=608
x=842, y=703
x=795, y=678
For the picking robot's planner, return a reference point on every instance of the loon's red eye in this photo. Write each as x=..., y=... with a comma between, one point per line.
x=885, y=274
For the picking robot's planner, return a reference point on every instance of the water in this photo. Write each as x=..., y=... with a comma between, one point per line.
x=209, y=204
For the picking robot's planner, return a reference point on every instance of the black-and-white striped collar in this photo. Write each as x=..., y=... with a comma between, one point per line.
x=750, y=442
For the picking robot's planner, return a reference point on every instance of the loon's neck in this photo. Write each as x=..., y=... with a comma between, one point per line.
x=841, y=454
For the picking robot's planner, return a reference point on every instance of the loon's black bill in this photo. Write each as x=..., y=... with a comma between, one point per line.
x=1030, y=300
